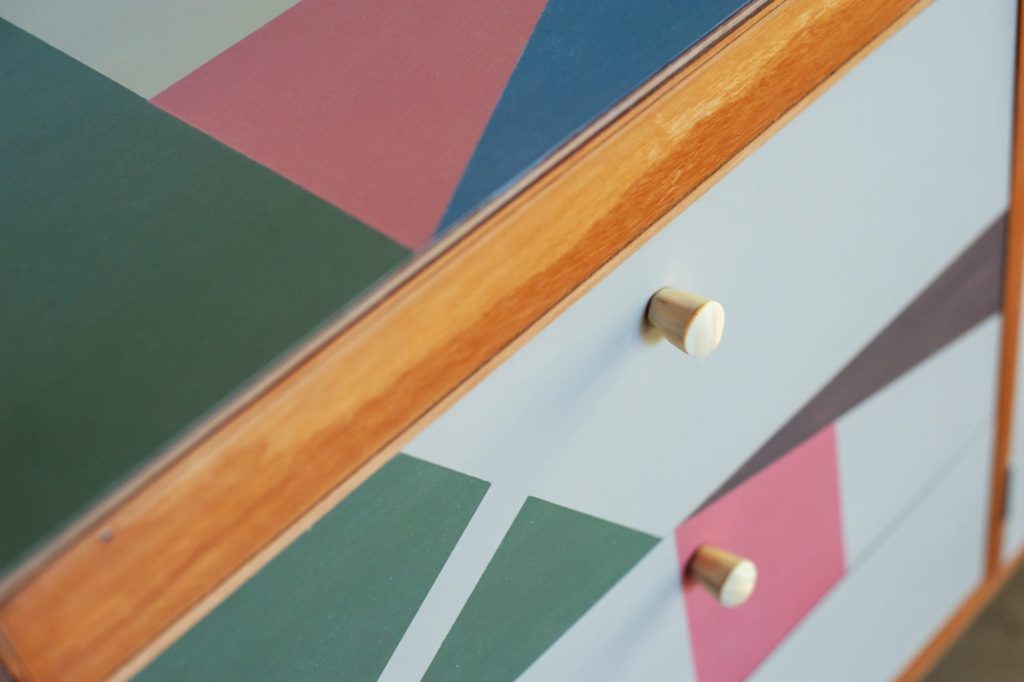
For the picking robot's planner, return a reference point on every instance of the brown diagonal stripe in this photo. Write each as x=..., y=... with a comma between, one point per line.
x=963, y=295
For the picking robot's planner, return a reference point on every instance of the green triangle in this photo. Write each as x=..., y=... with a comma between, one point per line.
x=146, y=273
x=552, y=566
x=336, y=602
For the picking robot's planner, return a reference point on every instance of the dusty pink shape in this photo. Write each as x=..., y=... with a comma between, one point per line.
x=373, y=105
x=787, y=520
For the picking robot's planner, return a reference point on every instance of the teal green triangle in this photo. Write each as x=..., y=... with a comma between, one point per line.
x=335, y=604
x=553, y=564
x=146, y=272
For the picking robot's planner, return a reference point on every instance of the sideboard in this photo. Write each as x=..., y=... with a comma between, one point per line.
x=477, y=340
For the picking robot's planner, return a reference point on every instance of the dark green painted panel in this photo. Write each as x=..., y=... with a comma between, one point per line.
x=553, y=564
x=334, y=605
x=146, y=272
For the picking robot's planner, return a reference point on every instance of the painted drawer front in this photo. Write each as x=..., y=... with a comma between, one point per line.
x=908, y=584
x=813, y=515
x=868, y=468
x=893, y=445
x=787, y=521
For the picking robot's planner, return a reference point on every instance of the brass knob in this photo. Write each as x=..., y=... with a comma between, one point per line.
x=690, y=322
x=729, y=578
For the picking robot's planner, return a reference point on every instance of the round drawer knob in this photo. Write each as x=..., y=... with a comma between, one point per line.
x=729, y=578
x=692, y=323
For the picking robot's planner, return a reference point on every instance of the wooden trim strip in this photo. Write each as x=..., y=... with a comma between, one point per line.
x=961, y=296
x=142, y=569
x=11, y=667
x=1012, y=283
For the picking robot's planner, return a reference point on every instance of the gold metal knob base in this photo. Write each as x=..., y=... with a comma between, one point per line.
x=729, y=578
x=692, y=323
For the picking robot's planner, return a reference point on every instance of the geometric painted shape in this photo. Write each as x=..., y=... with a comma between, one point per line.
x=787, y=521
x=335, y=603
x=583, y=58
x=966, y=292
x=893, y=445
x=145, y=45
x=373, y=106
x=552, y=566
x=635, y=632
x=884, y=611
x=146, y=273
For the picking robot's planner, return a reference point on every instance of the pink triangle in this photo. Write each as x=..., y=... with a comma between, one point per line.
x=787, y=520
x=376, y=107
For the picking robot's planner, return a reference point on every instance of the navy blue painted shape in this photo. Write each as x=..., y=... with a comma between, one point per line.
x=583, y=57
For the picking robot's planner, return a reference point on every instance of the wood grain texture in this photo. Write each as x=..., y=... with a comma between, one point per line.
x=11, y=667
x=225, y=504
x=1012, y=282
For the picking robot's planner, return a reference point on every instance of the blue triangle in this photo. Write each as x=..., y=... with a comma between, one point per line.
x=583, y=57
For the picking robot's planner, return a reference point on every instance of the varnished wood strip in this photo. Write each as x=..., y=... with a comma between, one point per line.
x=11, y=667
x=1012, y=283
x=964, y=294
x=145, y=564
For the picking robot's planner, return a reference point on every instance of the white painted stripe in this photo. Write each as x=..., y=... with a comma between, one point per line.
x=453, y=585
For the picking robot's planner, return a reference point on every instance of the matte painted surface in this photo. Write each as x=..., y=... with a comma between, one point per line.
x=146, y=272
x=335, y=603
x=786, y=520
x=966, y=292
x=893, y=445
x=885, y=610
x=552, y=566
x=591, y=415
x=636, y=632
x=145, y=45
x=455, y=583
x=891, y=451
x=373, y=106
x=583, y=57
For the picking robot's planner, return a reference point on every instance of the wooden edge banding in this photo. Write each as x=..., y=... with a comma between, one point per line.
x=1011, y=316
x=168, y=552
x=950, y=632
x=11, y=665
